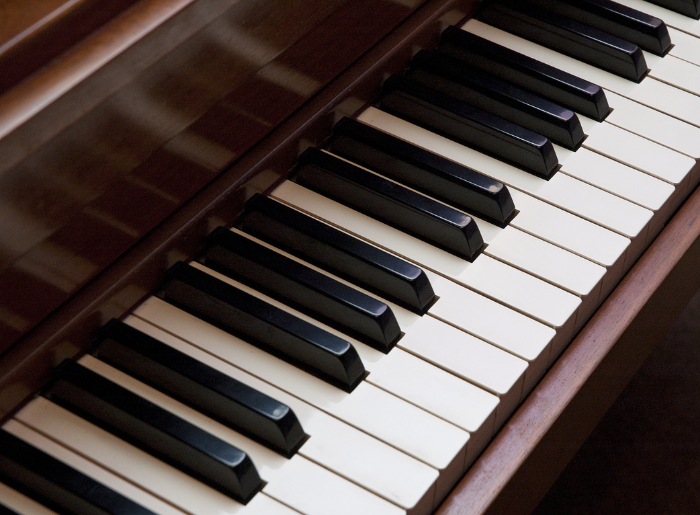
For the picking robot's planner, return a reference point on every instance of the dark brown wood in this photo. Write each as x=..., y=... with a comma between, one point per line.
x=35, y=32
x=532, y=449
x=71, y=185
x=27, y=365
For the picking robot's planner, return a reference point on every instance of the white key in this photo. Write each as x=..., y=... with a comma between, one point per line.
x=541, y=259
x=671, y=18
x=406, y=376
x=20, y=503
x=653, y=125
x=685, y=46
x=628, y=183
x=561, y=190
x=333, y=441
x=377, y=466
x=650, y=92
x=596, y=243
x=90, y=469
x=483, y=364
x=675, y=72
x=378, y=413
x=525, y=293
x=131, y=463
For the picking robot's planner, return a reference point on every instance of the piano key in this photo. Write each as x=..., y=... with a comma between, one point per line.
x=86, y=467
x=311, y=292
x=469, y=125
x=167, y=482
x=483, y=364
x=488, y=92
x=15, y=503
x=333, y=250
x=396, y=373
x=637, y=27
x=233, y=403
x=389, y=202
x=317, y=351
x=563, y=88
x=367, y=408
x=690, y=8
x=56, y=484
x=154, y=430
x=536, y=298
x=685, y=46
x=650, y=92
x=626, y=182
x=562, y=191
x=568, y=36
x=333, y=444
x=673, y=19
x=443, y=179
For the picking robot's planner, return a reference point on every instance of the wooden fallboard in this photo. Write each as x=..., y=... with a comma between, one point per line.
x=121, y=155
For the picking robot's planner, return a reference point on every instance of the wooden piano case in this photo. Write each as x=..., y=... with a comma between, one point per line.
x=121, y=147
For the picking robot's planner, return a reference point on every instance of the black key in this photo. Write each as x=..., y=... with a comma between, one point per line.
x=469, y=125
x=639, y=28
x=155, y=430
x=339, y=253
x=391, y=203
x=306, y=289
x=56, y=485
x=276, y=331
x=562, y=88
x=690, y=8
x=485, y=91
x=421, y=169
x=567, y=36
x=201, y=387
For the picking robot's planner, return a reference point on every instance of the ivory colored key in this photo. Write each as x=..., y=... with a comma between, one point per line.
x=509, y=285
x=437, y=391
x=88, y=468
x=368, y=408
x=175, y=487
x=56, y=484
x=466, y=356
x=651, y=92
x=563, y=191
x=15, y=503
x=333, y=444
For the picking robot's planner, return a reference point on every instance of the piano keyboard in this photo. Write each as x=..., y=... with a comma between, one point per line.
x=354, y=342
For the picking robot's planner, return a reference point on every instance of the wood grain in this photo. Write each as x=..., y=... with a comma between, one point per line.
x=532, y=449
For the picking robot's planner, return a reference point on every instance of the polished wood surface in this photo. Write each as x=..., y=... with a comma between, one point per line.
x=121, y=155
x=150, y=122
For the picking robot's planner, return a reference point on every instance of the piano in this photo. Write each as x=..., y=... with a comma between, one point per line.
x=126, y=143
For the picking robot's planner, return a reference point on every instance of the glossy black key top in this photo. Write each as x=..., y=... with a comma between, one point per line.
x=451, y=182
x=690, y=8
x=276, y=331
x=339, y=253
x=567, y=36
x=201, y=387
x=155, y=430
x=647, y=32
x=469, y=125
x=485, y=91
x=56, y=485
x=391, y=203
x=306, y=289
x=560, y=87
